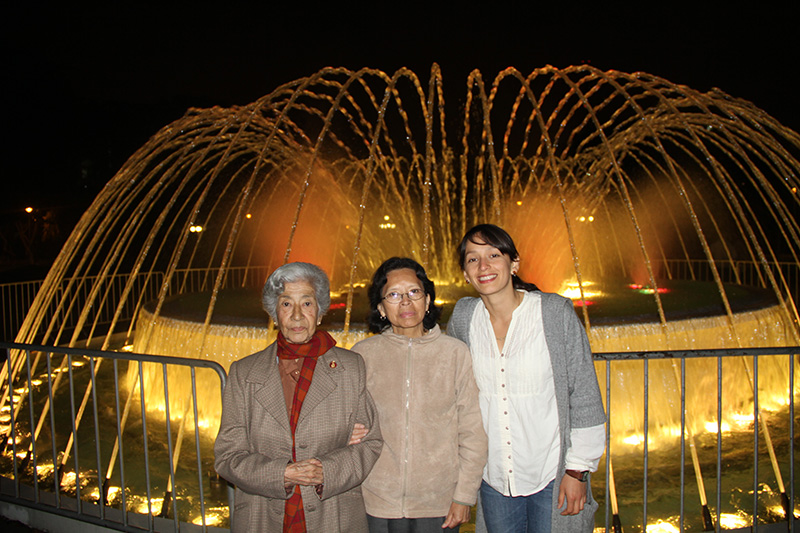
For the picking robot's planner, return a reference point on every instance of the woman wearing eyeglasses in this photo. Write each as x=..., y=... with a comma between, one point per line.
x=428, y=474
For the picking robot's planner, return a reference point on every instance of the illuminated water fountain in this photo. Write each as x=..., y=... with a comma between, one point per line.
x=604, y=178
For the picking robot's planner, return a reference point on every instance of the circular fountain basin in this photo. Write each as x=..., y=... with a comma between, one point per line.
x=621, y=318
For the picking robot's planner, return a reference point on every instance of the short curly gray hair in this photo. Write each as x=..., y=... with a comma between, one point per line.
x=289, y=273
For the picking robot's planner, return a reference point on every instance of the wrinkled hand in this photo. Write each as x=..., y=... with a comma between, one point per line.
x=306, y=472
x=574, y=492
x=457, y=515
x=359, y=432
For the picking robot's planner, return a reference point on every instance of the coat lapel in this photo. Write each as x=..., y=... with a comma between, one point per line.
x=270, y=391
x=322, y=384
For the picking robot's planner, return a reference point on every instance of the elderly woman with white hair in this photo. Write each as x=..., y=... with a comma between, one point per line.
x=287, y=416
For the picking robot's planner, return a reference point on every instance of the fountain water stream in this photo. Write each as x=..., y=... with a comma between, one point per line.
x=602, y=177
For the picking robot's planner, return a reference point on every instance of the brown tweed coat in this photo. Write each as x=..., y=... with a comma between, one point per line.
x=254, y=443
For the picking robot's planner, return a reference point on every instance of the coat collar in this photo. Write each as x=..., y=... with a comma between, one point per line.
x=270, y=392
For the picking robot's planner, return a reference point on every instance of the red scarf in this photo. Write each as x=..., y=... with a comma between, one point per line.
x=294, y=519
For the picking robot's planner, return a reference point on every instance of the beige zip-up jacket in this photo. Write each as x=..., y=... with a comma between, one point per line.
x=435, y=446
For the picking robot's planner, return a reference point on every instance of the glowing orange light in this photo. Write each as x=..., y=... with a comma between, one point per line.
x=519, y=202
x=29, y=210
x=248, y=215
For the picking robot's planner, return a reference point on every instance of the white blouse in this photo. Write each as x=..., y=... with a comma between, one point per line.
x=518, y=404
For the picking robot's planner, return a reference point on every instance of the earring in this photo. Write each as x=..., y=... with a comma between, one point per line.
x=383, y=317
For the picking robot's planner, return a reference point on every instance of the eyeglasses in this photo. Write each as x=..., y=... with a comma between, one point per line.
x=397, y=297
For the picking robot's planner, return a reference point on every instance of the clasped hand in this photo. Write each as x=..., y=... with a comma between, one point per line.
x=306, y=472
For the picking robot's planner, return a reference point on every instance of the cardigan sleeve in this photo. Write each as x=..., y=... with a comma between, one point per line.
x=458, y=325
x=585, y=403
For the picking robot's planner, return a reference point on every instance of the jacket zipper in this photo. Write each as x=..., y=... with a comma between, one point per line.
x=407, y=416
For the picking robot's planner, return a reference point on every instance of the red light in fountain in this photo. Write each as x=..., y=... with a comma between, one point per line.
x=650, y=290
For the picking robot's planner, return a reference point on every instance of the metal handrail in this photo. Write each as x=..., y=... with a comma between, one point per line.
x=40, y=495
x=612, y=520
x=27, y=453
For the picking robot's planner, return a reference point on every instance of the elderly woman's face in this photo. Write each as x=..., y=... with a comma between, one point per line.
x=297, y=311
x=406, y=315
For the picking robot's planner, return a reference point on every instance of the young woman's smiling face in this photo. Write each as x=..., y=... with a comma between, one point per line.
x=487, y=268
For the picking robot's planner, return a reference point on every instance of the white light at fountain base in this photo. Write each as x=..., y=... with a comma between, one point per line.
x=743, y=420
x=572, y=290
x=68, y=479
x=214, y=516
x=140, y=504
x=733, y=520
x=634, y=440
x=711, y=427
x=113, y=494
x=662, y=527
x=68, y=482
x=44, y=469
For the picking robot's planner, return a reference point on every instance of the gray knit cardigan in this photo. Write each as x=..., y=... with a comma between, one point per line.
x=577, y=393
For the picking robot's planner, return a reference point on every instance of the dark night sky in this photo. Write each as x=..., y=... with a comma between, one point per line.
x=83, y=88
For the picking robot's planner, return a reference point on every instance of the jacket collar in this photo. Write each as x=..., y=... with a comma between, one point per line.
x=429, y=337
x=270, y=392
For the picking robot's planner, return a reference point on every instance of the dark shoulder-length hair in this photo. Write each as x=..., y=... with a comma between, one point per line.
x=500, y=239
x=375, y=293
